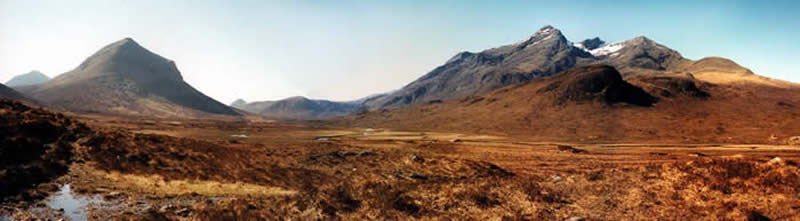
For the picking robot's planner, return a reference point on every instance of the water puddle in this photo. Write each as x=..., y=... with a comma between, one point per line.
x=74, y=205
x=322, y=138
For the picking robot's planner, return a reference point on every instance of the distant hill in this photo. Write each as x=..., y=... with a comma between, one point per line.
x=30, y=78
x=124, y=78
x=299, y=108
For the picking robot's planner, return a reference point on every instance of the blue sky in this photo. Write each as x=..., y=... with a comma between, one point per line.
x=343, y=50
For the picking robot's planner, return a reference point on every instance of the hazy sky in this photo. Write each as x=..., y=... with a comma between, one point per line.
x=343, y=50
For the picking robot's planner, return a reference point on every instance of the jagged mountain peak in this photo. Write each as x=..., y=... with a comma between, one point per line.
x=544, y=53
x=590, y=44
x=641, y=40
x=548, y=29
x=543, y=34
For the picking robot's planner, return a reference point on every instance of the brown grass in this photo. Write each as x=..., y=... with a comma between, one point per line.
x=279, y=172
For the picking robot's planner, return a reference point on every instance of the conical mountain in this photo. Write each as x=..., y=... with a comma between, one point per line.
x=31, y=78
x=545, y=53
x=125, y=78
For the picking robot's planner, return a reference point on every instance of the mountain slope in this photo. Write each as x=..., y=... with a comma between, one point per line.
x=125, y=78
x=30, y=78
x=584, y=104
x=299, y=108
x=638, y=53
x=724, y=71
x=8, y=93
x=545, y=53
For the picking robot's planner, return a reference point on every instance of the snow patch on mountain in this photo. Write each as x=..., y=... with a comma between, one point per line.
x=579, y=46
x=607, y=49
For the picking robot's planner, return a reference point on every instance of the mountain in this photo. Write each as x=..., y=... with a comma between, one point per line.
x=545, y=53
x=597, y=103
x=299, y=108
x=639, y=53
x=239, y=103
x=31, y=78
x=368, y=98
x=8, y=93
x=590, y=44
x=124, y=78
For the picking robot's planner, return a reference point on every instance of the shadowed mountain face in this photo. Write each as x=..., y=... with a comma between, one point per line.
x=30, y=78
x=299, y=108
x=125, y=78
x=596, y=82
x=8, y=93
x=545, y=53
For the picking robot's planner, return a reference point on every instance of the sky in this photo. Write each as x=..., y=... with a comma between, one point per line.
x=344, y=50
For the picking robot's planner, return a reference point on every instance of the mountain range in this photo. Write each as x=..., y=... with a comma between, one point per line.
x=596, y=103
x=124, y=78
x=543, y=54
x=299, y=108
x=637, y=90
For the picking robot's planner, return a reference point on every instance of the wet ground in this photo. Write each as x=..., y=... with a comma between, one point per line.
x=74, y=206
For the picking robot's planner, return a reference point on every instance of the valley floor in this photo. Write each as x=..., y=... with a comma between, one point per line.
x=222, y=170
